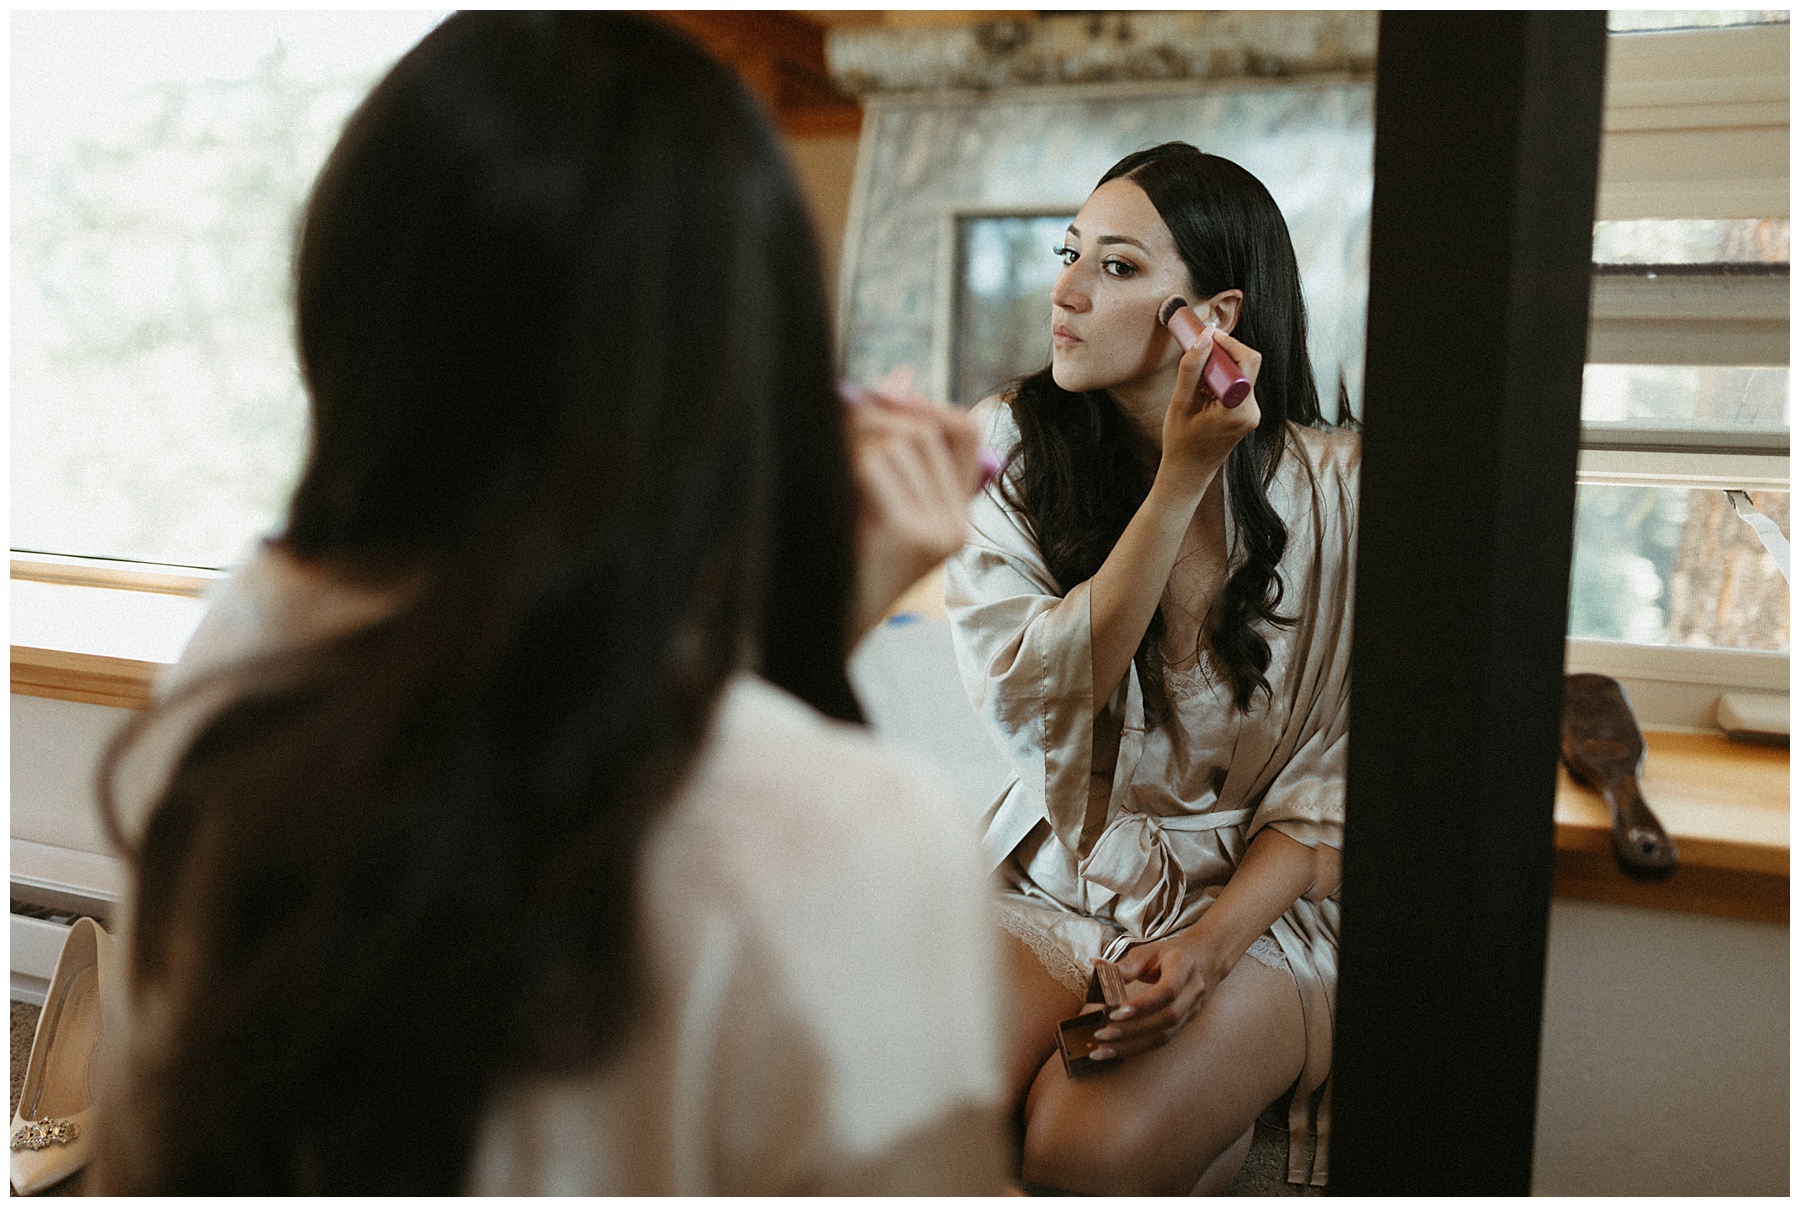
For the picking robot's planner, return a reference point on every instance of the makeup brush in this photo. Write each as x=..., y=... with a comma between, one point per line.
x=1222, y=375
x=992, y=463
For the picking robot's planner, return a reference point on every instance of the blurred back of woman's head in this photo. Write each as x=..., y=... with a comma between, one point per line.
x=559, y=307
x=560, y=318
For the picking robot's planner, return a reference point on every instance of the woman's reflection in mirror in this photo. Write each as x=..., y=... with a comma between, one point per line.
x=1153, y=620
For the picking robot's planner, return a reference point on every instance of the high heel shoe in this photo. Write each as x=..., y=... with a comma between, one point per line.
x=50, y=1138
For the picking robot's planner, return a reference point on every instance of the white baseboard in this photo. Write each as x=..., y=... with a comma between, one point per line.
x=35, y=946
x=29, y=989
x=79, y=882
x=84, y=875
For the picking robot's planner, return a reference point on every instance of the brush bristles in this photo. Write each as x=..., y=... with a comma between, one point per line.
x=1169, y=308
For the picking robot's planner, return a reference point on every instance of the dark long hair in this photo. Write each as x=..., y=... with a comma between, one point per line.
x=1078, y=480
x=562, y=326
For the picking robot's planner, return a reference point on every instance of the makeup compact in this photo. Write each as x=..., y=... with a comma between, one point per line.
x=1223, y=377
x=1075, y=1036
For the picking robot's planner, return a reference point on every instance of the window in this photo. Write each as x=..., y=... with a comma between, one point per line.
x=1004, y=274
x=159, y=163
x=1661, y=556
x=1686, y=394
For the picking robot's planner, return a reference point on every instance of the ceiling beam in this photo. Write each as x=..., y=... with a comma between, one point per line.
x=781, y=59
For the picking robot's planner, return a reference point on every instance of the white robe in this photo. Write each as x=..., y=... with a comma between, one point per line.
x=1096, y=856
x=820, y=1013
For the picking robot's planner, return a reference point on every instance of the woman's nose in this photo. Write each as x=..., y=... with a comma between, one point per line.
x=1067, y=293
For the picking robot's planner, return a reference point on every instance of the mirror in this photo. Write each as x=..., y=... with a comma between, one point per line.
x=1115, y=817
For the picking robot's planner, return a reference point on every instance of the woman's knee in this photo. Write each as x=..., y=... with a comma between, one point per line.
x=1158, y=1126
x=1076, y=1151
x=1074, y=1143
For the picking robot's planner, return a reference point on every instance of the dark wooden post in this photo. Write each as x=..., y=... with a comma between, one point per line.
x=1487, y=140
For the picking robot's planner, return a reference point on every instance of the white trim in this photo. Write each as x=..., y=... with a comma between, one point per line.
x=81, y=874
x=1696, y=124
x=77, y=880
x=36, y=944
x=943, y=311
x=1678, y=687
x=850, y=251
x=1054, y=94
x=1756, y=670
x=1683, y=319
x=1695, y=470
x=1697, y=78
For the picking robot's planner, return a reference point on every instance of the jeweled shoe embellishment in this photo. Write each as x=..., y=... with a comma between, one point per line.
x=42, y=1133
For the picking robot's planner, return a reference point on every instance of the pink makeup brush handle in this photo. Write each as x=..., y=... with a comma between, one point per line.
x=1223, y=377
x=992, y=463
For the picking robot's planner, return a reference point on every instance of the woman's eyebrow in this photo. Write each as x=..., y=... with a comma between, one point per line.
x=1103, y=240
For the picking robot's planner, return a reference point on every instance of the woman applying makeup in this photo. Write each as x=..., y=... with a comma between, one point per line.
x=1152, y=617
x=506, y=827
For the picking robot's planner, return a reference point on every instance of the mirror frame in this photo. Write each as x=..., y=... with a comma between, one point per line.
x=1487, y=143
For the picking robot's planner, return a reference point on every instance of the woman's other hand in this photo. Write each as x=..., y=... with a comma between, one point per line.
x=1199, y=431
x=917, y=464
x=1166, y=983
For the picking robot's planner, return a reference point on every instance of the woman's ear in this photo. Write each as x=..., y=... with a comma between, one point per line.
x=1223, y=308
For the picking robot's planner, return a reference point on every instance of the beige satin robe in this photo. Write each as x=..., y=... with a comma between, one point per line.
x=1098, y=856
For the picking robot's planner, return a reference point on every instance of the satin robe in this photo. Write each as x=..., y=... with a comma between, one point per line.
x=1097, y=852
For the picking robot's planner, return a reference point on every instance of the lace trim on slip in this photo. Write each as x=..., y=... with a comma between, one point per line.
x=1267, y=952
x=1057, y=962
x=1073, y=977
x=1192, y=681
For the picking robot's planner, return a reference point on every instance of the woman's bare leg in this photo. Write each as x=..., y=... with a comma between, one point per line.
x=1162, y=1119
x=1038, y=1002
x=1224, y=1171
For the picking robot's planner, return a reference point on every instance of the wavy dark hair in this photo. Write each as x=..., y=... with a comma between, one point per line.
x=563, y=329
x=1077, y=478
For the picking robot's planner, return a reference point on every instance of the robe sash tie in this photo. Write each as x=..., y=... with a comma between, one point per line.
x=1133, y=864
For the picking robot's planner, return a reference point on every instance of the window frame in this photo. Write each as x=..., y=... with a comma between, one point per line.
x=114, y=574
x=1723, y=91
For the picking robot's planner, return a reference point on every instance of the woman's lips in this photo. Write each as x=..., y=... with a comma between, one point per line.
x=1062, y=337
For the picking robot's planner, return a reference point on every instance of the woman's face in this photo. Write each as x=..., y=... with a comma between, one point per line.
x=1121, y=265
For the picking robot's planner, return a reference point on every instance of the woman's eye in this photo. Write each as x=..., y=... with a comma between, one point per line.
x=1118, y=268
x=1065, y=254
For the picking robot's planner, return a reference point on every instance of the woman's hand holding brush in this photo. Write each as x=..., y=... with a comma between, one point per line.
x=1222, y=374
x=1200, y=428
x=917, y=463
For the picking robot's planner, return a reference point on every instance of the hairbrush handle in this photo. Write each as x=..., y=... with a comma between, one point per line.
x=1222, y=375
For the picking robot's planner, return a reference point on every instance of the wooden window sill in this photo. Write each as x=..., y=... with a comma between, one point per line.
x=82, y=677
x=96, y=632
x=1726, y=805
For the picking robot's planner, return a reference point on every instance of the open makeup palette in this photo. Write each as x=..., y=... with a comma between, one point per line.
x=1075, y=1036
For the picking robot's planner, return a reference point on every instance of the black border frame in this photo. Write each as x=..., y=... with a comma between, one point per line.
x=1487, y=143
